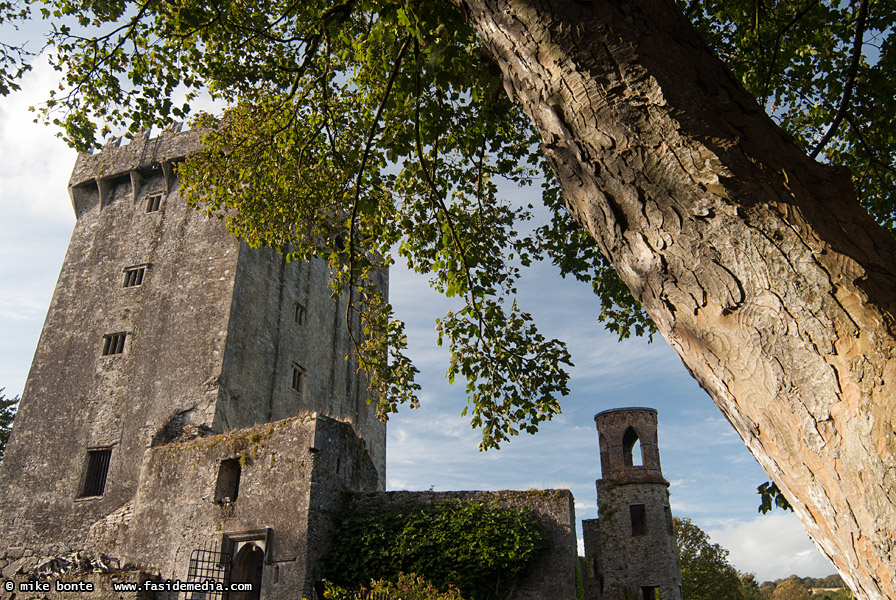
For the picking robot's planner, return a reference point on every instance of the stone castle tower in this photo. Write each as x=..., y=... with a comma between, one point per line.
x=164, y=328
x=631, y=543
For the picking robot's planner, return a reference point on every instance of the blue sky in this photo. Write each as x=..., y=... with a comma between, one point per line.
x=713, y=476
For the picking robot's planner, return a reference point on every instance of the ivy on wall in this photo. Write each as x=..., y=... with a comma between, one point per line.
x=479, y=548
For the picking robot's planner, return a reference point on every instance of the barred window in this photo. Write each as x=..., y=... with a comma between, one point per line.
x=153, y=202
x=113, y=343
x=133, y=276
x=97, y=469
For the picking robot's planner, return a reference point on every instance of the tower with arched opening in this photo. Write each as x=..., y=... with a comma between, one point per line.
x=632, y=543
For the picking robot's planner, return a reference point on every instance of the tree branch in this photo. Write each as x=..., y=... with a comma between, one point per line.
x=777, y=46
x=850, y=78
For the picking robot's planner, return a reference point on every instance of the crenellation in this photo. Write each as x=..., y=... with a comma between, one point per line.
x=142, y=154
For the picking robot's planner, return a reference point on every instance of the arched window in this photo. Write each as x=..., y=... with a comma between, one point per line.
x=631, y=449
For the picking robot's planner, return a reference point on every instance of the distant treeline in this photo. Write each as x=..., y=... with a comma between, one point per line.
x=801, y=588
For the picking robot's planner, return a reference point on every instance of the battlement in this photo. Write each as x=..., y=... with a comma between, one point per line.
x=94, y=174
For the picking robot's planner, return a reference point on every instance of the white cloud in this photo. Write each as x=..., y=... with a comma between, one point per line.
x=772, y=546
x=36, y=224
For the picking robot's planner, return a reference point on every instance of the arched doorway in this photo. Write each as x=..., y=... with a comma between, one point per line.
x=248, y=565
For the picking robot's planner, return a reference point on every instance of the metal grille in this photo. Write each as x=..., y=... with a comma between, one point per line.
x=133, y=276
x=113, y=343
x=205, y=564
x=153, y=202
x=97, y=468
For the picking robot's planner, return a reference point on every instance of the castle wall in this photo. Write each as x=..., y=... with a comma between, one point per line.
x=76, y=399
x=289, y=469
x=267, y=340
x=160, y=320
x=627, y=562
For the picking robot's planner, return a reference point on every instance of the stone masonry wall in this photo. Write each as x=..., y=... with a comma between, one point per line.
x=288, y=468
x=76, y=399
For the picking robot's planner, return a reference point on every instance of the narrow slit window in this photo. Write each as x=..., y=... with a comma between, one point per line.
x=639, y=519
x=133, y=276
x=113, y=343
x=153, y=202
x=228, y=486
x=97, y=470
x=301, y=313
x=670, y=526
x=298, y=378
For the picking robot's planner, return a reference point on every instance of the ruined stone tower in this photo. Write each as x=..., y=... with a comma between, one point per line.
x=631, y=543
x=165, y=329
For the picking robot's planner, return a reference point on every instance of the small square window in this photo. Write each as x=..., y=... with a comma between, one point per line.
x=301, y=313
x=113, y=343
x=133, y=276
x=298, y=378
x=153, y=202
x=97, y=469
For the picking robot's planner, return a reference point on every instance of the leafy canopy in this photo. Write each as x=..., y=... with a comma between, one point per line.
x=8, y=408
x=479, y=548
x=706, y=573
x=359, y=130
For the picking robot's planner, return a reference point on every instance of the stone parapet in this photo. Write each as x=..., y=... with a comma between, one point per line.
x=142, y=152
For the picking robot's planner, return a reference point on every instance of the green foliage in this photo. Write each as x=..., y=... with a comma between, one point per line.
x=821, y=588
x=705, y=571
x=580, y=585
x=771, y=497
x=476, y=547
x=8, y=408
x=359, y=130
x=13, y=57
x=797, y=59
x=749, y=587
x=791, y=589
x=408, y=587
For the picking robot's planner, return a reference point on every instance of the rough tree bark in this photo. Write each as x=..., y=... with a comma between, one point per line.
x=756, y=263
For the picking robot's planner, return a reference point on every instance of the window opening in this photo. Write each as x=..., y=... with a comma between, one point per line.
x=228, y=486
x=153, y=202
x=670, y=528
x=133, y=276
x=113, y=343
x=650, y=592
x=298, y=378
x=301, y=313
x=639, y=519
x=97, y=469
x=631, y=449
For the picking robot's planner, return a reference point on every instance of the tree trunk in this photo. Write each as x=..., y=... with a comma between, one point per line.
x=756, y=263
